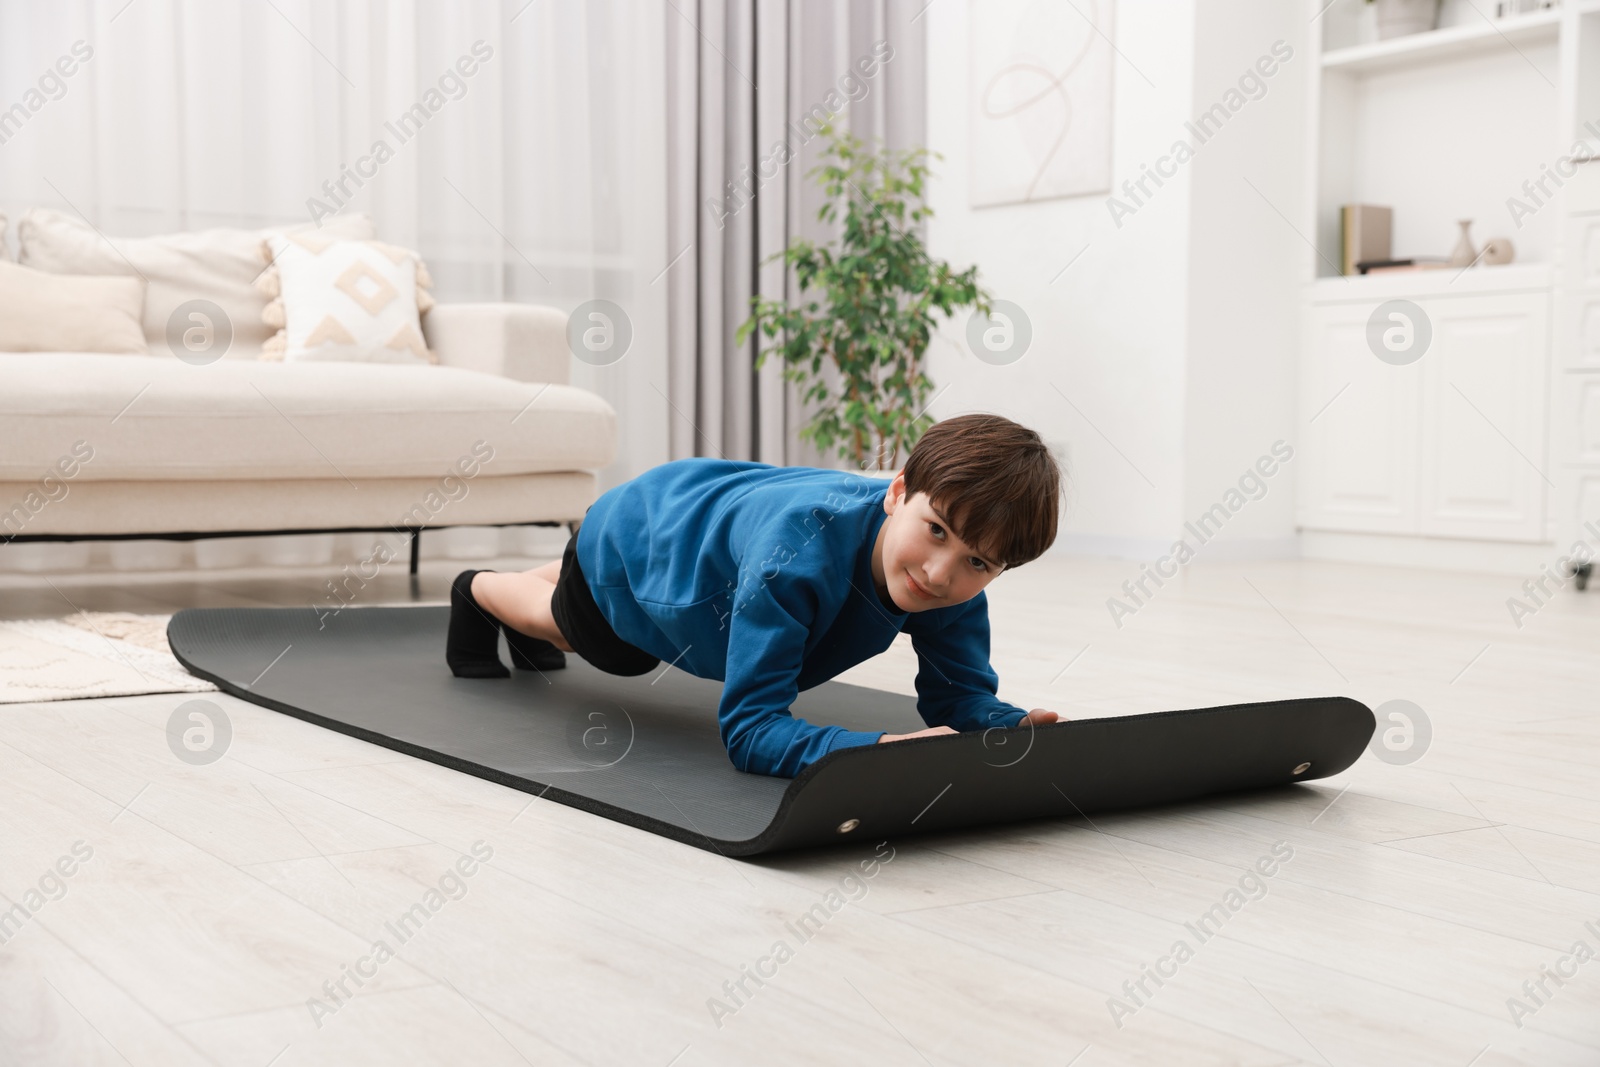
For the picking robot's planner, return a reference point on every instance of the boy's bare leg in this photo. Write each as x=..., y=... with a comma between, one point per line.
x=521, y=600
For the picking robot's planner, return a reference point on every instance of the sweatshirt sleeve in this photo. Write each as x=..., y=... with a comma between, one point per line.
x=956, y=686
x=766, y=643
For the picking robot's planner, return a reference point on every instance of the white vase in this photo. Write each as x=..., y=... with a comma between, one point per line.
x=1464, y=255
x=1397, y=18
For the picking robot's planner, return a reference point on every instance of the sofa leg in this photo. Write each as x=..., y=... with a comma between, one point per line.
x=416, y=541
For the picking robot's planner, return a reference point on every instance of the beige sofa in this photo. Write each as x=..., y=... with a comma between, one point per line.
x=99, y=446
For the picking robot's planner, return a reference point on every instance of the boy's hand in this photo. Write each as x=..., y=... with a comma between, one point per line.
x=1036, y=717
x=930, y=732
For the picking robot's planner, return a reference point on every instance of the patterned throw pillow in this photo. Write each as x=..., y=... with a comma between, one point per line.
x=344, y=300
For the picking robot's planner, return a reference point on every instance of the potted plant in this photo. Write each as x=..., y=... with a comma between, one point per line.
x=868, y=305
x=1397, y=18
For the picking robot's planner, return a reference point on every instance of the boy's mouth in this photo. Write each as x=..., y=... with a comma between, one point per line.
x=917, y=590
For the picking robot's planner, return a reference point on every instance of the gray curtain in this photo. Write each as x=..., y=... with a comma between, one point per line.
x=743, y=77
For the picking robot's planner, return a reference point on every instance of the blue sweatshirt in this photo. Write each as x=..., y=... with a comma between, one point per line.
x=761, y=577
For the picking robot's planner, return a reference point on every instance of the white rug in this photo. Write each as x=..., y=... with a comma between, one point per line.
x=91, y=654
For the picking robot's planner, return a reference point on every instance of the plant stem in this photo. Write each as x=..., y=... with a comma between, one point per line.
x=855, y=394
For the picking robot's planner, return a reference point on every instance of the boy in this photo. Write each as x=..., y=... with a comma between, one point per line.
x=775, y=579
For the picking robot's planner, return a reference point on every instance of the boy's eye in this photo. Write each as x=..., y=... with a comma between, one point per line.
x=936, y=529
x=978, y=563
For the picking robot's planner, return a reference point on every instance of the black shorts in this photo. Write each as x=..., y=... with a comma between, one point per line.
x=586, y=629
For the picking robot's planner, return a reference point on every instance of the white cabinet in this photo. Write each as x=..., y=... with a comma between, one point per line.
x=1576, y=397
x=1359, y=421
x=1488, y=447
x=1578, y=336
x=1452, y=445
x=1483, y=470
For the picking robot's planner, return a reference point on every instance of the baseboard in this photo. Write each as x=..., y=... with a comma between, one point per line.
x=1430, y=553
x=1146, y=549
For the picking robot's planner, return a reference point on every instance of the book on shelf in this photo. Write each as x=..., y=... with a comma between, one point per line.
x=1363, y=235
x=1400, y=266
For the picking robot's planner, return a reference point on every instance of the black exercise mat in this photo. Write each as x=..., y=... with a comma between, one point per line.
x=645, y=751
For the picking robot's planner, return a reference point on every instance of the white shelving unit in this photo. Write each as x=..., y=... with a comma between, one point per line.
x=1487, y=449
x=1452, y=43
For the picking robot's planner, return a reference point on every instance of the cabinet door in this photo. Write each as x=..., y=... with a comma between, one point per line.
x=1484, y=467
x=1575, y=452
x=1581, y=266
x=1358, y=418
x=1580, y=394
x=1580, y=336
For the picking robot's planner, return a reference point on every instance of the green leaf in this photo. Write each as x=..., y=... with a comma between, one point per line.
x=872, y=299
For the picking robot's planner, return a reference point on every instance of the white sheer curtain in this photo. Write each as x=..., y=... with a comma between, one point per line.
x=540, y=179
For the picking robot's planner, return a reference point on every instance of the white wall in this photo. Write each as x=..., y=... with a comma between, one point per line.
x=1245, y=267
x=1174, y=335
x=1108, y=333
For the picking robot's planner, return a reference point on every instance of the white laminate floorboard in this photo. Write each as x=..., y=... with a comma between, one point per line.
x=223, y=903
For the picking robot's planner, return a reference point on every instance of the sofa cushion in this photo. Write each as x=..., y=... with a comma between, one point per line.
x=349, y=300
x=159, y=418
x=218, y=265
x=43, y=312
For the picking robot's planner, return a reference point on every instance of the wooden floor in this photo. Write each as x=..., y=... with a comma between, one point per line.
x=222, y=904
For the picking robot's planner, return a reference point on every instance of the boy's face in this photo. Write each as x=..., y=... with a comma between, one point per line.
x=919, y=558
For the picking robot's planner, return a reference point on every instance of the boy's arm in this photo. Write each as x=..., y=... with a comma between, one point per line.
x=766, y=643
x=956, y=686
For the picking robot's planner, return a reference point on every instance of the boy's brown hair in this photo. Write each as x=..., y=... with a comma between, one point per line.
x=994, y=481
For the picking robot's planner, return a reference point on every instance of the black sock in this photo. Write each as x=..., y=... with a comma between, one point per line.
x=472, y=647
x=532, y=653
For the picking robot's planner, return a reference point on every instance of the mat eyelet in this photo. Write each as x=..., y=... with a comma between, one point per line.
x=1303, y=768
x=848, y=825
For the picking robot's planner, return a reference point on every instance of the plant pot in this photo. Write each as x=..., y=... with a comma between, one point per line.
x=1398, y=18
